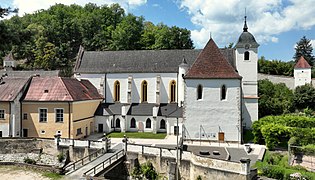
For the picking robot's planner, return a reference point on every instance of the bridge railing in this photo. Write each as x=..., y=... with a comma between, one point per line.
x=81, y=162
x=101, y=166
x=146, y=149
x=81, y=143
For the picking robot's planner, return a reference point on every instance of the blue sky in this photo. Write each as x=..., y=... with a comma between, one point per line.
x=276, y=24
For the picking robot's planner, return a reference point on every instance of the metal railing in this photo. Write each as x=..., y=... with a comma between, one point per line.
x=85, y=160
x=101, y=166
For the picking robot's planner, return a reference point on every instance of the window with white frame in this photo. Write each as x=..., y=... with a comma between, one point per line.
x=25, y=116
x=59, y=115
x=1, y=113
x=42, y=115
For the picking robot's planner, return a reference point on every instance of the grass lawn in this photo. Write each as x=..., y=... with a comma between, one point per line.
x=140, y=135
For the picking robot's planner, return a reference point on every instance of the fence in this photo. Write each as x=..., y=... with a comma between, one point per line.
x=81, y=162
x=101, y=166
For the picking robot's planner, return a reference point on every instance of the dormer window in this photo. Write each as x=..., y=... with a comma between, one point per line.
x=46, y=91
x=246, y=55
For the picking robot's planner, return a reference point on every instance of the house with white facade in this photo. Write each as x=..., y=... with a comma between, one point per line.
x=302, y=73
x=207, y=94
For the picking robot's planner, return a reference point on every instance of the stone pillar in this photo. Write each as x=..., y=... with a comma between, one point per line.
x=71, y=153
x=245, y=166
x=172, y=171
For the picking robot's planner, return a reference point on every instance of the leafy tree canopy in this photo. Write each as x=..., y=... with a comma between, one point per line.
x=274, y=99
x=50, y=39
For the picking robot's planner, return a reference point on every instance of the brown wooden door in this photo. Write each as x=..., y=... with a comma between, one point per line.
x=221, y=136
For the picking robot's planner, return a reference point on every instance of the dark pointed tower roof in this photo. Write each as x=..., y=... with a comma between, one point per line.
x=211, y=64
x=184, y=63
x=302, y=64
x=246, y=38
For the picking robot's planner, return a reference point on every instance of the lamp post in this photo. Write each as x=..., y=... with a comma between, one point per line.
x=177, y=133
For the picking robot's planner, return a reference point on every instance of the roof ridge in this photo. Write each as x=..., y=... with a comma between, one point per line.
x=64, y=85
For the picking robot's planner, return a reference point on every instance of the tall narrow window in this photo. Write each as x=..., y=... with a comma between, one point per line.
x=223, y=92
x=173, y=91
x=1, y=113
x=59, y=115
x=148, y=123
x=246, y=55
x=117, y=91
x=162, y=124
x=42, y=115
x=117, y=123
x=199, y=92
x=144, y=91
x=133, y=123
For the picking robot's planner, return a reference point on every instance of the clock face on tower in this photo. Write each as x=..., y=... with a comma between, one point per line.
x=246, y=46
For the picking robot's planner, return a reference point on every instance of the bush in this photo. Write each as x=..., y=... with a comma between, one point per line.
x=29, y=160
x=60, y=157
x=277, y=130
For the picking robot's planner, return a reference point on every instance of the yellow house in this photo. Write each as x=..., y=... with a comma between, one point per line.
x=56, y=105
x=11, y=92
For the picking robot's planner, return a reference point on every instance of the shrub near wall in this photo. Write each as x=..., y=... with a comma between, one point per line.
x=276, y=130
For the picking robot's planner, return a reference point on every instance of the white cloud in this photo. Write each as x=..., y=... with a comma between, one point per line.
x=266, y=19
x=313, y=44
x=30, y=6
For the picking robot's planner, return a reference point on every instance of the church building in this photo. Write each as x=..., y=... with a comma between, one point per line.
x=206, y=94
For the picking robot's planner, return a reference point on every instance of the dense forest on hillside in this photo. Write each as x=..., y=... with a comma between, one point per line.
x=50, y=39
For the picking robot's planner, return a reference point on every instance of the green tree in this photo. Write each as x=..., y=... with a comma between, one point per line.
x=274, y=99
x=304, y=48
x=127, y=34
x=7, y=11
x=304, y=97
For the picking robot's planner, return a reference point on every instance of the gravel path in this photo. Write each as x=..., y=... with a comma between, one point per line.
x=12, y=173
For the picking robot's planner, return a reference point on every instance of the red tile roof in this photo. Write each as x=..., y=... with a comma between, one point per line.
x=302, y=63
x=211, y=64
x=11, y=87
x=61, y=89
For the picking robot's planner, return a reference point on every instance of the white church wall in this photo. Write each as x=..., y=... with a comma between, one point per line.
x=140, y=124
x=137, y=79
x=250, y=112
x=95, y=79
x=105, y=121
x=212, y=113
x=302, y=76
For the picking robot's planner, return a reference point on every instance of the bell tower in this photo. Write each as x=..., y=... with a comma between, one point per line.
x=246, y=59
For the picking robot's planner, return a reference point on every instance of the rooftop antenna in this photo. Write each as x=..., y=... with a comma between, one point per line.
x=210, y=35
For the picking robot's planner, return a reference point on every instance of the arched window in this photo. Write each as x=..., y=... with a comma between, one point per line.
x=117, y=123
x=199, y=92
x=133, y=123
x=246, y=55
x=148, y=123
x=223, y=92
x=172, y=91
x=117, y=91
x=162, y=124
x=144, y=91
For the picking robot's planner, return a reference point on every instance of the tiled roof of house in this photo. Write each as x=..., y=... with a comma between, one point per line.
x=211, y=64
x=60, y=89
x=11, y=87
x=138, y=60
x=302, y=63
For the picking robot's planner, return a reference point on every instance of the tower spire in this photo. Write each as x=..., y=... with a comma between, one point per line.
x=245, y=24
